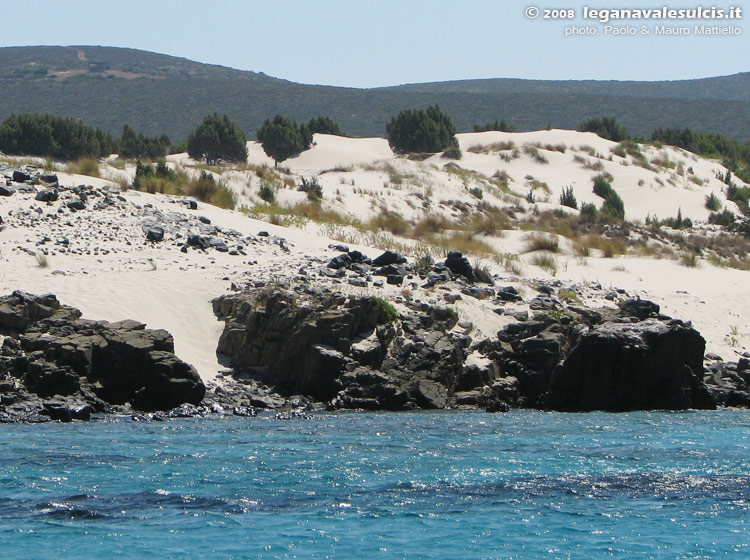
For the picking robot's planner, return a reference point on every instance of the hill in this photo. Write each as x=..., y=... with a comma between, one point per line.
x=107, y=87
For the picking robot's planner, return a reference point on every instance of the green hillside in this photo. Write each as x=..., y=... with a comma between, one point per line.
x=107, y=87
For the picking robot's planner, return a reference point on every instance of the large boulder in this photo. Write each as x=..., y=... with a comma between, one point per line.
x=21, y=176
x=459, y=265
x=54, y=352
x=302, y=346
x=346, y=351
x=20, y=309
x=633, y=366
x=47, y=195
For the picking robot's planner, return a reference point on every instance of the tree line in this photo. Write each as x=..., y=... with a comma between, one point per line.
x=217, y=138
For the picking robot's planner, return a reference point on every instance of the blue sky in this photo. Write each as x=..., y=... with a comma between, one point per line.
x=364, y=43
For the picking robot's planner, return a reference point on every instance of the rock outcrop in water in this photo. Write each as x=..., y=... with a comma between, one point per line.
x=55, y=364
x=352, y=352
x=632, y=366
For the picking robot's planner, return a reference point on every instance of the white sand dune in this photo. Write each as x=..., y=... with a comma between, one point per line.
x=165, y=288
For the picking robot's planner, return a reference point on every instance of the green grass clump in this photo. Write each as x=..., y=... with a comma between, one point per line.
x=567, y=295
x=538, y=242
x=84, y=166
x=390, y=221
x=602, y=187
x=545, y=262
x=567, y=198
x=387, y=310
x=535, y=154
x=431, y=225
x=724, y=218
x=207, y=189
x=689, y=259
x=267, y=192
x=713, y=202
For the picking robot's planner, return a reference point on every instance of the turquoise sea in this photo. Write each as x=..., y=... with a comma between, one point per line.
x=449, y=485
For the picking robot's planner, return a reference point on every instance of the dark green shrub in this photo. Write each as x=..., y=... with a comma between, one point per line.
x=267, y=192
x=500, y=125
x=476, y=192
x=145, y=172
x=134, y=145
x=421, y=130
x=613, y=207
x=217, y=138
x=55, y=137
x=740, y=196
x=179, y=148
x=283, y=138
x=679, y=222
x=602, y=187
x=606, y=127
x=312, y=188
x=388, y=312
x=713, y=202
x=567, y=198
x=323, y=125
x=725, y=218
x=589, y=212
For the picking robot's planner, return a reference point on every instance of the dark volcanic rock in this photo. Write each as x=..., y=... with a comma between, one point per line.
x=46, y=196
x=342, y=350
x=19, y=310
x=52, y=352
x=6, y=191
x=341, y=261
x=642, y=309
x=154, y=233
x=389, y=257
x=458, y=264
x=642, y=366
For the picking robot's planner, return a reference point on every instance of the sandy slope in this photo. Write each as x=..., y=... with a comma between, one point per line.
x=159, y=285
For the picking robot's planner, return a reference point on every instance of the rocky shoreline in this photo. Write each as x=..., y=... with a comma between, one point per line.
x=294, y=348
x=307, y=330
x=349, y=353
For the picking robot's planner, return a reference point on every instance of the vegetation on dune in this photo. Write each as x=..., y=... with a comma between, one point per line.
x=217, y=138
x=135, y=145
x=283, y=138
x=160, y=178
x=713, y=202
x=323, y=124
x=427, y=130
x=735, y=156
x=606, y=127
x=500, y=125
x=387, y=311
x=568, y=198
x=55, y=137
x=613, y=207
x=68, y=139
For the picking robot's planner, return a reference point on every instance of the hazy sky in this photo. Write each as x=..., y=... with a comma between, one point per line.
x=364, y=43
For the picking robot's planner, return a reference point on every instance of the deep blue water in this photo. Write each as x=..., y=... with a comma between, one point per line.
x=448, y=485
